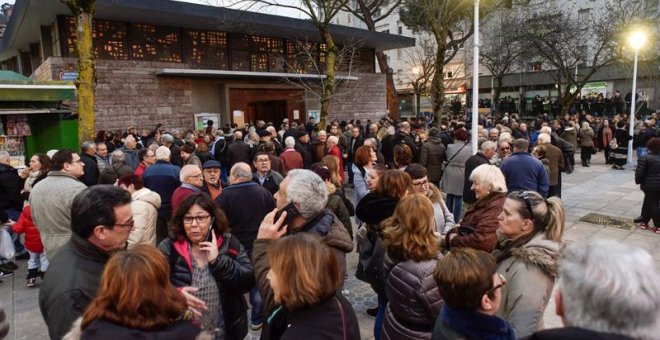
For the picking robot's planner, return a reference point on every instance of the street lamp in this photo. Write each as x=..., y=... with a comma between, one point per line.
x=417, y=71
x=475, y=80
x=636, y=40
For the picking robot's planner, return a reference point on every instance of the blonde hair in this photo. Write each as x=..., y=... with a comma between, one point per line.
x=409, y=233
x=489, y=177
x=549, y=214
x=332, y=163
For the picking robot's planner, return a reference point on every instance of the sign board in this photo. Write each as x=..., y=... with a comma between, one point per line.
x=201, y=120
x=296, y=114
x=68, y=75
x=316, y=114
x=238, y=117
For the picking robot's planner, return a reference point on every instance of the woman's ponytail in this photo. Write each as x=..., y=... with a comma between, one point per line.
x=556, y=219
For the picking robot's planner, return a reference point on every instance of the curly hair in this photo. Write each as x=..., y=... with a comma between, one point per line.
x=409, y=233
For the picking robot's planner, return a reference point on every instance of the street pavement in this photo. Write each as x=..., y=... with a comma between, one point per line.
x=594, y=189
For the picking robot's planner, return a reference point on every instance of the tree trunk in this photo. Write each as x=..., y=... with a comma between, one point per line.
x=496, y=96
x=86, y=77
x=329, y=83
x=438, y=82
x=392, y=100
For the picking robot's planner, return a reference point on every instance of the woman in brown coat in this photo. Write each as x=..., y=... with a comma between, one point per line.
x=478, y=227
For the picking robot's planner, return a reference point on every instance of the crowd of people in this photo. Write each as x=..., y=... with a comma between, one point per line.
x=171, y=236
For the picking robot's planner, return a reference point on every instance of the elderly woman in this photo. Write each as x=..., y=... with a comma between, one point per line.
x=478, y=228
x=189, y=157
x=528, y=257
x=304, y=279
x=136, y=300
x=333, y=150
x=412, y=253
x=443, y=218
x=209, y=266
x=454, y=174
x=647, y=174
x=586, y=143
x=291, y=159
x=364, y=160
x=144, y=205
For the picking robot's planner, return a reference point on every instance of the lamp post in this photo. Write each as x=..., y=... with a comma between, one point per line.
x=636, y=41
x=417, y=70
x=475, y=80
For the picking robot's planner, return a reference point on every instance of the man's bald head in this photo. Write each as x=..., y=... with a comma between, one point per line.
x=240, y=173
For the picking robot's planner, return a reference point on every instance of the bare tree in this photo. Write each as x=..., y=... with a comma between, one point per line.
x=421, y=63
x=371, y=12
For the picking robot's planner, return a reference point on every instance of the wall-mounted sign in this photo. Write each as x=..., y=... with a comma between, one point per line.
x=68, y=75
x=201, y=120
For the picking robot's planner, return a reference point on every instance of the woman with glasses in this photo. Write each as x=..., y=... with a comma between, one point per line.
x=528, y=257
x=472, y=290
x=412, y=252
x=209, y=266
x=478, y=228
x=443, y=218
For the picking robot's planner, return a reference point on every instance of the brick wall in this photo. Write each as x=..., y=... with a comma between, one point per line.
x=128, y=93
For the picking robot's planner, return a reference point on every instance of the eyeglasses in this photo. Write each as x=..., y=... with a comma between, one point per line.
x=195, y=176
x=502, y=284
x=420, y=184
x=525, y=196
x=79, y=161
x=199, y=219
x=130, y=224
x=507, y=148
x=263, y=160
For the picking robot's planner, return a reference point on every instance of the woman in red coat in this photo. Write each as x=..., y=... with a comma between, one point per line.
x=37, y=264
x=333, y=150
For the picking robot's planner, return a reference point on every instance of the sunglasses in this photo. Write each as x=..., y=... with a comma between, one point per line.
x=502, y=284
x=525, y=196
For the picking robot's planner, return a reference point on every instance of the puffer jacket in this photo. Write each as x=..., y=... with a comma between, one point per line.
x=647, y=172
x=431, y=157
x=332, y=233
x=233, y=273
x=414, y=299
x=530, y=272
x=570, y=135
x=587, y=138
x=26, y=225
x=337, y=206
x=145, y=206
x=482, y=217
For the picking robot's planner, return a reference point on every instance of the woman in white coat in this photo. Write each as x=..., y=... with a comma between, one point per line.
x=145, y=206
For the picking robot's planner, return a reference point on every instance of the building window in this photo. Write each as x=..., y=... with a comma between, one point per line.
x=155, y=43
x=205, y=49
x=535, y=67
x=400, y=30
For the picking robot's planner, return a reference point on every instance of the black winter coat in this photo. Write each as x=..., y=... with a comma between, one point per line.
x=91, y=169
x=472, y=163
x=106, y=330
x=647, y=172
x=233, y=272
x=10, y=188
x=432, y=157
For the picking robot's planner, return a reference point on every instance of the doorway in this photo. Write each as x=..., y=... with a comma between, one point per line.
x=269, y=111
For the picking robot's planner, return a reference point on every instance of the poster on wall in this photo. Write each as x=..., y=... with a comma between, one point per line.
x=238, y=117
x=16, y=148
x=201, y=120
x=316, y=114
x=17, y=125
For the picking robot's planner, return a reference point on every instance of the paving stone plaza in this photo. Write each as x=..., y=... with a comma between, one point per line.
x=595, y=189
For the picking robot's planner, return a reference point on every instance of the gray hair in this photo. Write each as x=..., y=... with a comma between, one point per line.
x=4, y=156
x=489, y=177
x=607, y=286
x=545, y=129
x=238, y=135
x=333, y=140
x=488, y=145
x=241, y=171
x=167, y=138
x=86, y=145
x=307, y=190
x=117, y=157
x=163, y=153
x=186, y=172
x=544, y=138
x=505, y=136
x=289, y=142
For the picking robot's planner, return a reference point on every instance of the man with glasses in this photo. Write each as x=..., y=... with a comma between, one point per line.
x=147, y=158
x=265, y=176
x=102, y=159
x=101, y=220
x=51, y=200
x=192, y=180
x=471, y=288
x=503, y=151
x=212, y=171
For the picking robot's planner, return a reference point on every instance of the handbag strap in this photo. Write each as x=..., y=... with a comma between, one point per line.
x=343, y=318
x=457, y=152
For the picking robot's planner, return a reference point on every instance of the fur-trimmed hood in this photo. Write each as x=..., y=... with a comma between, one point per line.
x=540, y=252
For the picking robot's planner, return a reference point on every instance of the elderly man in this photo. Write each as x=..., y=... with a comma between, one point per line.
x=101, y=220
x=503, y=151
x=494, y=135
x=147, y=159
x=102, y=158
x=556, y=163
x=238, y=150
x=274, y=138
x=163, y=178
x=524, y=172
x=625, y=280
x=246, y=203
x=354, y=143
x=309, y=194
x=175, y=151
x=402, y=136
x=117, y=169
x=10, y=188
x=291, y=159
x=264, y=175
x=486, y=153
x=317, y=148
x=212, y=185
x=192, y=180
x=91, y=166
x=302, y=146
x=52, y=198
x=130, y=151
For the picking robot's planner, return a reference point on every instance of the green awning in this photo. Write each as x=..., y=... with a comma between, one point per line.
x=11, y=77
x=15, y=87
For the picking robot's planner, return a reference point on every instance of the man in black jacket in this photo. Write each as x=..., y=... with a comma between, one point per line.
x=487, y=152
x=246, y=203
x=10, y=188
x=101, y=220
x=91, y=166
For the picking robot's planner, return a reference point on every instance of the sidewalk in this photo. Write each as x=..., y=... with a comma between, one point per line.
x=595, y=189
